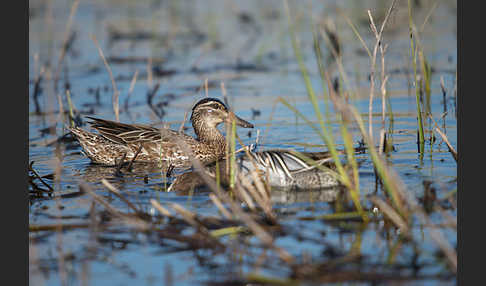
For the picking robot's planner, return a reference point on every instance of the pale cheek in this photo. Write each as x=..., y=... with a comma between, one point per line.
x=214, y=121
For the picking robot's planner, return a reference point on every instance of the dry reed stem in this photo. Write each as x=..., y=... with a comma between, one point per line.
x=258, y=230
x=130, y=90
x=57, y=227
x=129, y=220
x=434, y=6
x=243, y=194
x=114, y=190
x=444, y=137
x=206, y=87
x=228, y=129
x=257, y=139
x=85, y=188
x=149, y=73
x=384, y=80
x=258, y=194
x=261, y=194
x=116, y=93
x=181, y=128
x=391, y=214
x=132, y=82
x=353, y=27
x=188, y=216
x=382, y=141
x=72, y=12
x=378, y=36
x=39, y=177
x=444, y=91
x=219, y=205
x=61, y=107
x=160, y=208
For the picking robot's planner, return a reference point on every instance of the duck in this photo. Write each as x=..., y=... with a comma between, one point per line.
x=281, y=169
x=115, y=141
x=285, y=170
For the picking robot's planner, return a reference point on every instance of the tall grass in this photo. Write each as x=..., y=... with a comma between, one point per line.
x=324, y=133
x=403, y=203
x=413, y=47
x=346, y=114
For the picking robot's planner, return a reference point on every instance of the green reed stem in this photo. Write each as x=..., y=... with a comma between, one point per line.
x=426, y=71
x=218, y=178
x=417, y=91
x=261, y=279
x=233, y=155
x=70, y=104
x=338, y=216
x=231, y=230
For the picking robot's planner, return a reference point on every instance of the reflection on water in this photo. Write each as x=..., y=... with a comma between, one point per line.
x=288, y=197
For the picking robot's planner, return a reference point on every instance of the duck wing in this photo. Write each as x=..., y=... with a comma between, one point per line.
x=122, y=133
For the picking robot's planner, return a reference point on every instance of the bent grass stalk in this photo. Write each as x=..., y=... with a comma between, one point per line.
x=384, y=172
x=116, y=93
x=317, y=53
x=347, y=138
x=341, y=175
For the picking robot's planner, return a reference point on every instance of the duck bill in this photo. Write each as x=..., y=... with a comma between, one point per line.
x=241, y=122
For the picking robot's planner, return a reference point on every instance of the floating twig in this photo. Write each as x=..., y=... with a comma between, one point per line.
x=39, y=177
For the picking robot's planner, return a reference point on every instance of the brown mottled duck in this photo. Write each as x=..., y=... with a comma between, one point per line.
x=116, y=140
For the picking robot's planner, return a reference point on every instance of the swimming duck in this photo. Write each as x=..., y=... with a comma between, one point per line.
x=281, y=169
x=119, y=140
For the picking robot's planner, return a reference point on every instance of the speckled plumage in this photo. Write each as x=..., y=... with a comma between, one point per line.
x=159, y=145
